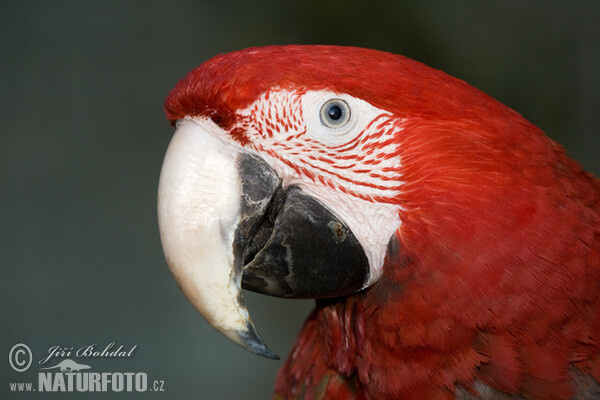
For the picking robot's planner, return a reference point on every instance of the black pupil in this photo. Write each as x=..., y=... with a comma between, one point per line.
x=335, y=112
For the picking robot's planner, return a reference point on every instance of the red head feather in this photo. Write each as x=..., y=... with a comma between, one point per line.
x=230, y=82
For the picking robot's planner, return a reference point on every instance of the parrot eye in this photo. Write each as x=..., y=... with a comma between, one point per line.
x=335, y=113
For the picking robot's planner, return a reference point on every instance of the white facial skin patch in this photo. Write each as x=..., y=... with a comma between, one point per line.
x=352, y=168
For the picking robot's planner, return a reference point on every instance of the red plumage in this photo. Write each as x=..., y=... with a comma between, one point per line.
x=496, y=279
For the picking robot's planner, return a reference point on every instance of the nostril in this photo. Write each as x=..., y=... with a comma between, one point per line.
x=222, y=119
x=216, y=119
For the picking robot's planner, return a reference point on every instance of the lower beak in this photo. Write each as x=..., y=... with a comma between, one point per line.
x=225, y=220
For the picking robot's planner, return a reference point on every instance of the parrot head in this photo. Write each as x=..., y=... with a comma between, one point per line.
x=323, y=172
x=283, y=181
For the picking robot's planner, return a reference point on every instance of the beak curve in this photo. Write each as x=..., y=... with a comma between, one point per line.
x=198, y=213
x=226, y=221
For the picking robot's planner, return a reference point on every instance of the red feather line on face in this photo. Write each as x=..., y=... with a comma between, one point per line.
x=498, y=279
x=352, y=167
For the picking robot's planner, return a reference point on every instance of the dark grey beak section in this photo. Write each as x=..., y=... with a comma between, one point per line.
x=289, y=245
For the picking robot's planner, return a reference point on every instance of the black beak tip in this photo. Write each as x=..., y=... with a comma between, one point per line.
x=254, y=343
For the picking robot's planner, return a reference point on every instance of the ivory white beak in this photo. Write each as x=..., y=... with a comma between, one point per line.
x=198, y=211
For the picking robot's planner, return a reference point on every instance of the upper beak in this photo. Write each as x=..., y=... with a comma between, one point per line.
x=225, y=220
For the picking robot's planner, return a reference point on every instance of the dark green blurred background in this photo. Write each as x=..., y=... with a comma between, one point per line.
x=83, y=136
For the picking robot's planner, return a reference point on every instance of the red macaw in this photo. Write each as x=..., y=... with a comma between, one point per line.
x=453, y=248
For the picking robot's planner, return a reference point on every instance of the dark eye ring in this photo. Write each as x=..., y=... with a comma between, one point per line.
x=335, y=113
